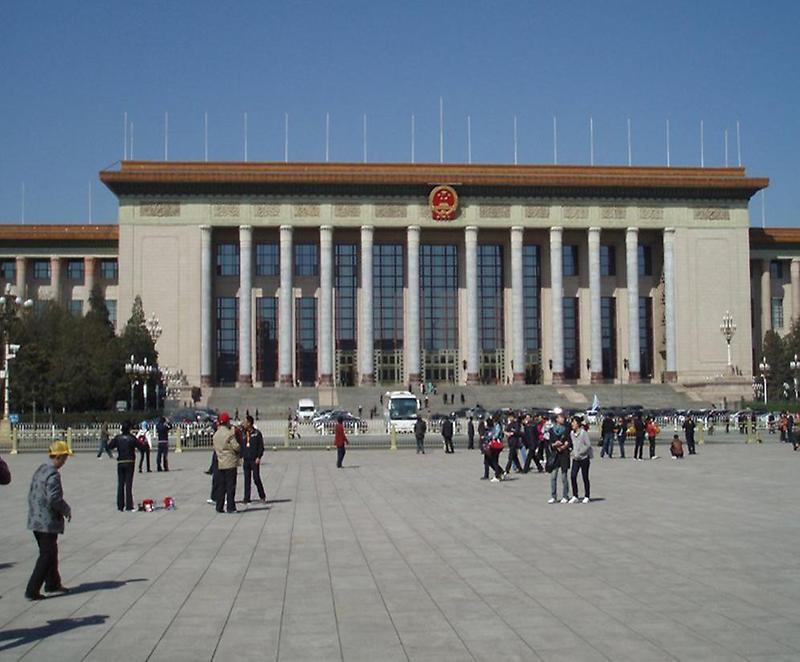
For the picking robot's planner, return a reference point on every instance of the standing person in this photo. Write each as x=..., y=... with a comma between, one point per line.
x=652, y=431
x=146, y=439
x=514, y=435
x=581, y=458
x=688, y=427
x=639, y=432
x=104, y=437
x=162, y=432
x=420, y=428
x=560, y=445
x=530, y=441
x=126, y=445
x=47, y=510
x=470, y=433
x=228, y=451
x=607, y=432
x=622, y=434
x=447, y=435
x=252, y=452
x=5, y=473
x=340, y=440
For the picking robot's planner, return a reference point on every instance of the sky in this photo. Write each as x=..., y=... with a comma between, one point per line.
x=69, y=71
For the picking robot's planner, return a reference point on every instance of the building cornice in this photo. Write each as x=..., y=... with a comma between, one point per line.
x=62, y=232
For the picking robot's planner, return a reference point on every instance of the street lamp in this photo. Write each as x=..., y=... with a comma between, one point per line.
x=764, y=368
x=758, y=388
x=794, y=366
x=146, y=371
x=728, y=329
x=10, y=308
x=154, y=328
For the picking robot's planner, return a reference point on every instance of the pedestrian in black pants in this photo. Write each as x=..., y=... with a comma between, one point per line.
x=689, y=426
x=252, y=452
x=126, y=445
x=162, y=432
x=514, y=436
x=228, y=451
x=470, y=433
x=144, y=446
x=215, y=482
x=531, y=444
x=420, y=427
x=622, y=433
x=638, y=428
x=447, y=435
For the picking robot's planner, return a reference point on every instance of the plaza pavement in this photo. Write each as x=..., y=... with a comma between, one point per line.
x=399, y=556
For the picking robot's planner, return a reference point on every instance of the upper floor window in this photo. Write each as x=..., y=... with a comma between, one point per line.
x=305, y=260
x=41, y=269
x=570, y=260
x=645, y=260
x=109, y=269
x=8, y=270
x=776, y=269
x=608, y=260
x=227, y=259
x=75, y=270
x=268, y=260
x=777, y=313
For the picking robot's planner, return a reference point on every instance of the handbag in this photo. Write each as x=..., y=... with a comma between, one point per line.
x=550, y=464
x=496, y=445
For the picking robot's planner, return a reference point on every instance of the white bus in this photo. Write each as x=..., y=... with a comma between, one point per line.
x=400, y=410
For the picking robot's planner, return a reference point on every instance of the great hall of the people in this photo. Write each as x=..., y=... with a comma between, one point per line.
x=271, y=274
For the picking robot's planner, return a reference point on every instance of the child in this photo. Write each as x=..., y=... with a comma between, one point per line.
x=676, y=448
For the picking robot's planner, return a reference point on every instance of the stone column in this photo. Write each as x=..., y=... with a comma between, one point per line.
x=596, y=357
x=245, y=305
x=366, y=339
x=517, y=306
x=632, y=275
x=285, y=310
x=766, y=299
x=206, y=293
x=55, y=280
x=557, y=303
x=325, y=354
x=412, y=337
x=671, y=371
x=21, y=268
x=795, y=273
x=471, y=263
x=88, y=271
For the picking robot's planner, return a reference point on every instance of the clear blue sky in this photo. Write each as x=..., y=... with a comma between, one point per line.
x=69, y=70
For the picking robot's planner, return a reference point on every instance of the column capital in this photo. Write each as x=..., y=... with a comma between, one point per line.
x=205, y=228
x=326, y=228
x=594, y=230
x=796, y=260
x=670, y=231
x=556, y=229
x=471, y=229
x=245, y=228
x=367, y=229
x=413, y=229
x=517, y=229
x=287, y=228
x=632, y=231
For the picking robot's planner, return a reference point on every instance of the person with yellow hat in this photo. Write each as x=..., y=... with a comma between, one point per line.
x=46, y=513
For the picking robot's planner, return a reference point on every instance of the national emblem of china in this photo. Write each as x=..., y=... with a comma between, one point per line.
x=444, y=203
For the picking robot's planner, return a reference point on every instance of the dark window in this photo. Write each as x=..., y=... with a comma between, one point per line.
x=572, y=355
x=306, y=340
x=268, y=260
x=531, y=291
x=608, y=332
x=227, y=339
x=267, y=339
x=345, y=276
x=570, y=264
x=608, y=260
x=75, y=270
x=646, y=337
x=438, y=284
x=111, y=305
x=776, y=269
x=109, y=269
x=8, y=270
x=305, y=260
x=75, y=307
x=645, y=260
x=387, y=299
x=227, y=259
x=490, y=297
x=777, y=312
x=41, y=270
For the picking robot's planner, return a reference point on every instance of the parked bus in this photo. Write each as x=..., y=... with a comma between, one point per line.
x=400, y=410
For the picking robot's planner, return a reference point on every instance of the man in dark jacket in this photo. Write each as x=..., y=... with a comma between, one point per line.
x=447, y=435
x=531, y=443
x=162, y=432
x=607, y=433
x=470, y=433
x=126, y=445
x=639, y=432
x=689, y=426
x=419, y=432
x=513, y=434
x=252, y=452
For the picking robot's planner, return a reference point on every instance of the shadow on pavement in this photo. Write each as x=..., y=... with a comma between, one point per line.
x=24, y=636
x=89, y=587
x=254, y=510
x=6, y=566
x=278, y=501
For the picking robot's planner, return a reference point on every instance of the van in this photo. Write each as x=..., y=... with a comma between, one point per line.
x=306, y=410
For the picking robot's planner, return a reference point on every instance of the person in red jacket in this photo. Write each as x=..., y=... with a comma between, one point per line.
x=339, y=440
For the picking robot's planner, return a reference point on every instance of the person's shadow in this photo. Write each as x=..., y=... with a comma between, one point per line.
x=23, y=636
x=90, y=587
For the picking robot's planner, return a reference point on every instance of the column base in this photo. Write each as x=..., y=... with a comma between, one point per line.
x=558, y=378
x=326, y=380
x=670, y=377
x=473, y=378
x=285, y=380
x=634, y=377
x=519, y=377
x=368, y=380
x=245, y=381
x=596, y=378
x=414, y=380
x=205, y=380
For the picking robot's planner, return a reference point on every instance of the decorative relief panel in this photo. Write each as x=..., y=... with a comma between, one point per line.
x=617, y=213
x=495, y=211
x=576, y=212
x=160, y=209
x=712, y=214
x=651, y=213
x=308, y=211
x=266, y=211
x=346, y=211
x=390, y=211
x=228, y=210
x=537, y=212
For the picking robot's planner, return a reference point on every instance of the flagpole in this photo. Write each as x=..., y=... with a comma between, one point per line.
x=286, y=137
x=131, y=141
x=726, y=148
x=515, y=140
x=738, y=145
x=245, y=137
x=413, y=131
x=668, y=144
x=90, y=201
x=125, y=137
x=469, y=139
x=591, y=141
x=365, y=138
x=327, y=137
x=441, y=130
x=763, y=208
x=166, y=136
x=22, y=215
x=205, y=135
x=702, y=147
x=555, y=140
x=630, y=154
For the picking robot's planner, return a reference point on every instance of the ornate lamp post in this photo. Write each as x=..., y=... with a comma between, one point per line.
x=758, y=388
x=146, y=371
x=135, y=372
x=794, y=366
x=728, y=329
x=10, y=307
x=764, y=368
x=154, y=328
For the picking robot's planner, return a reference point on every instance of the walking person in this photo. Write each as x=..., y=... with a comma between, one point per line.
x=447, y=435
x=146, y=439
x=621, y=430
x=47, y=511
x=513, y=434
x=530, y=442
x=340, y=440
x=581, y=458
x=494, y=448
x=252, y=452
x=162, y=433
x=228, y=452
x=607, y=433
x=558, y=461
x=688, y=428
x=652, y=430
x=420, y=427
x=125, y=444
x=639, y=433
x=470, y=433
x=104, y=437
